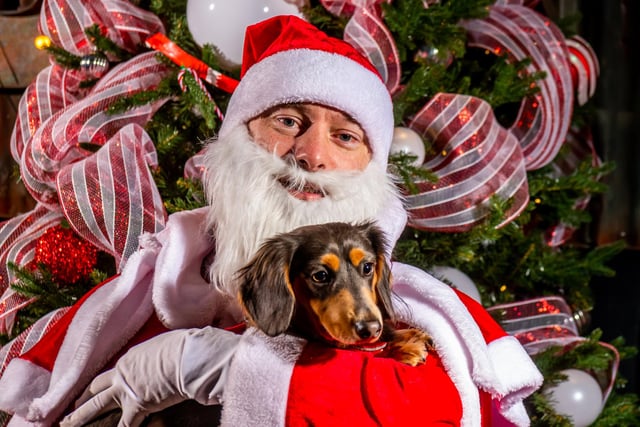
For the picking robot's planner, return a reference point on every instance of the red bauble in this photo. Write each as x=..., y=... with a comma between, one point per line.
x=66, y=256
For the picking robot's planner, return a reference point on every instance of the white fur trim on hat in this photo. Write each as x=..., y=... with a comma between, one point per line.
x=308, y=75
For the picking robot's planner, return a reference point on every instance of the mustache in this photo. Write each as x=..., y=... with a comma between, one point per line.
x=328, y=183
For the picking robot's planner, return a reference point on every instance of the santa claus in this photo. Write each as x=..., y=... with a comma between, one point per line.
x=305, y=140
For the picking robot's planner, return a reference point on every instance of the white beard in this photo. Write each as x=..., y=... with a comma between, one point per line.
x=248, y=204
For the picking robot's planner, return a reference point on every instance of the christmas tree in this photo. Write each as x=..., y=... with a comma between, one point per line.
x=492, y=146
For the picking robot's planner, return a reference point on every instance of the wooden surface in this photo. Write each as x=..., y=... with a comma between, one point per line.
x=20, y=61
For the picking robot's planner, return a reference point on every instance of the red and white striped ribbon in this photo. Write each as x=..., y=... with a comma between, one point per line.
x=54, y=89
x=194, y=168
x=475, y=159
x=65, y=21
x=540, y=323
x=584, y=66
x=367, y=33
x=55, y=115
x=110, y=198
x=18, y=237
x=544, y=119
x=23, y=342
x=56, y=143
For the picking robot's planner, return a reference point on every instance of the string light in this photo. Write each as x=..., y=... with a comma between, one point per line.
x=42, y=42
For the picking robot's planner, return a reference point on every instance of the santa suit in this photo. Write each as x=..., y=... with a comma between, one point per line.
x=285, y=381
x=281, y=381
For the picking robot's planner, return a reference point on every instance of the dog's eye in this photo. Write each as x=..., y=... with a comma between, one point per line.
x=367, y=268
x=320, y=277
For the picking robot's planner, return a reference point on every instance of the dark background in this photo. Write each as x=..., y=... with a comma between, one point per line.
x=612, y=28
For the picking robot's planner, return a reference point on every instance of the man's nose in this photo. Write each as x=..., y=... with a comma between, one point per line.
x=311, y=148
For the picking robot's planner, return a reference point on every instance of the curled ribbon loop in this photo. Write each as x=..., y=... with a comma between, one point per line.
x=367, y=33
x=476, y=159
x=54, y=89
x=584, y=66
x=521, y=33
x=56, y=143
x=18, y=237
x=96, y=191
x=65, y=21
x=540, y=323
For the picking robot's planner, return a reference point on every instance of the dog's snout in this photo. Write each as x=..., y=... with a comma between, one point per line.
x=368, y=328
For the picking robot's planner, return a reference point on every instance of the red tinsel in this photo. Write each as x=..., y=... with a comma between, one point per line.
x=65, y=255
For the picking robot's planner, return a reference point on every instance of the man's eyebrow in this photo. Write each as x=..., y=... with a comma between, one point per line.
x=302, y=107
x=294, y=106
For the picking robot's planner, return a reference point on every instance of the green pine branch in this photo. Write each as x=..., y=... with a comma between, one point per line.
x=47, y=293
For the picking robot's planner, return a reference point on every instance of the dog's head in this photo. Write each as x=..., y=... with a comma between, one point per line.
x=333, y=279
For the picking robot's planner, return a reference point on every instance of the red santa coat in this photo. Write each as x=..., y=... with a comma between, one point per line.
x=281, y=381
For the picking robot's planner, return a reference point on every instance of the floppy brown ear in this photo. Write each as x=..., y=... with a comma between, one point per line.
x=383, y=271
x=265, y=292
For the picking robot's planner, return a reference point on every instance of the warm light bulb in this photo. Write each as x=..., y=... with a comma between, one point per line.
x=42, y=42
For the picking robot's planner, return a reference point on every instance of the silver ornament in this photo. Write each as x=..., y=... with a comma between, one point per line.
x=407, y=141
x=94, y=65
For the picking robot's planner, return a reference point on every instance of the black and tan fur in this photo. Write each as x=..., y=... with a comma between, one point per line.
x=329, y=282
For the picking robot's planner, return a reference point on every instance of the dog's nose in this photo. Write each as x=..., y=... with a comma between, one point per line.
x=368, y=328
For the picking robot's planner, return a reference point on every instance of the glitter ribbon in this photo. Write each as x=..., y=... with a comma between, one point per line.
x=521, y=33
x=18, y=237
x=475, y=159
x=65, y=21
x=539, y=323
x=367, y=33
x=110, y=198
x=584, y=66
x=55, y=115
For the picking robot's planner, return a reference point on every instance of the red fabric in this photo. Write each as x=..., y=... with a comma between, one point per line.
x=335, y=387
x=45, y=351
x=282, y=33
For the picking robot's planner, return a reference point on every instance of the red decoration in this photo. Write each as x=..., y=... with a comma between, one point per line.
x=67, y=257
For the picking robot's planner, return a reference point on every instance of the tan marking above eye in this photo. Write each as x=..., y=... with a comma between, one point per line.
x=356, y=255
x=331, y=260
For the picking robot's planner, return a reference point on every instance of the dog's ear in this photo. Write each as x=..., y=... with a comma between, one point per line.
x=265, y=292
x=383, y=272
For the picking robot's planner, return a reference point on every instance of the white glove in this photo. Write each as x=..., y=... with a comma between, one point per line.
x=167, y=369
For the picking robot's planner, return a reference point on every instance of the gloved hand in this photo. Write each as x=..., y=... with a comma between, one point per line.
x=158, y=373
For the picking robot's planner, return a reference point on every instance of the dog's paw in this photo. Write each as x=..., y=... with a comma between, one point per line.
x=410, y=346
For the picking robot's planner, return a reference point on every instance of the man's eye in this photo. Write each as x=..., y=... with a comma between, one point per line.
x=288, y=121
x=345, y=137
x=320, y=277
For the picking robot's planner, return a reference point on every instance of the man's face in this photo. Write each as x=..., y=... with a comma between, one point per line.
x=317, y=138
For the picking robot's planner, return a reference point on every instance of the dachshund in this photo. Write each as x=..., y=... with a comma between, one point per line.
x=329, y=282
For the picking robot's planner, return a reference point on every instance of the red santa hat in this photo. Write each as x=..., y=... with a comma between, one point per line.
x=288, y=60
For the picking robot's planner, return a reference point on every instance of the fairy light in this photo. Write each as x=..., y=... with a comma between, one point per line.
x=42, y=42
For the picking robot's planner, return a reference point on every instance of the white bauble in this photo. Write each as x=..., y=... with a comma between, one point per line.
x=579, y=397
x=408, y=141
x=222, y=23
x=457, y=279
